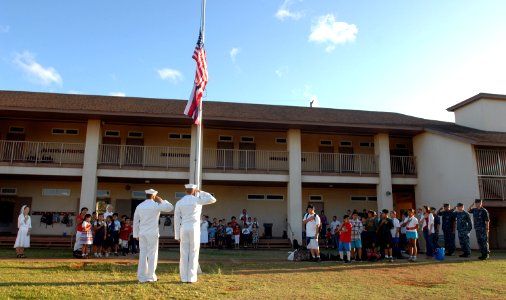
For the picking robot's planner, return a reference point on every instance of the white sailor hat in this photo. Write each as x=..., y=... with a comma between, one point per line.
x=151, y=192
x=190, y=186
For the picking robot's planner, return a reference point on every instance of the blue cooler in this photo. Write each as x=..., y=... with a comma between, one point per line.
x=440, y=253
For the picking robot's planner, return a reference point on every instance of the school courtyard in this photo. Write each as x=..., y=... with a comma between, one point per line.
x=249, y=274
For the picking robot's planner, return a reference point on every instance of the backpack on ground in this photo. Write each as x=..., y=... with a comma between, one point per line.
x=301, y=254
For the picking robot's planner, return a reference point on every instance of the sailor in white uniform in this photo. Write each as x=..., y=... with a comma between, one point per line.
x=187, y=230
x=146, y=230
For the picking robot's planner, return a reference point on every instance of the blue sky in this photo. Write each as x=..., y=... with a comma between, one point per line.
x=412, y=57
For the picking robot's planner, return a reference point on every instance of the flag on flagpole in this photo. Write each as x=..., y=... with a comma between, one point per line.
x=193, y=105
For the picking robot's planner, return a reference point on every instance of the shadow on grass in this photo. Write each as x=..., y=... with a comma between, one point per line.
x=87, y=283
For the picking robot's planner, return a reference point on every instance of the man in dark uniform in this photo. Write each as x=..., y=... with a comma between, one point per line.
x=448, y=220
x=481, y=220
x=464, y=226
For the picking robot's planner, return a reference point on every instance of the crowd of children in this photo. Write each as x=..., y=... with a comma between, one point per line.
x=106, y=236
x=367, y=236
x=234, y=234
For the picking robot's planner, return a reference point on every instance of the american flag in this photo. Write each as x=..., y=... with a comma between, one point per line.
x=192, y=107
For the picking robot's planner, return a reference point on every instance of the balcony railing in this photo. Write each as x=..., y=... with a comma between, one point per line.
x=492, y=188
x=491, y=162
x=144, y=156
x=339, y=163
x=245, y=160
x=403, y=165
x=42, y=153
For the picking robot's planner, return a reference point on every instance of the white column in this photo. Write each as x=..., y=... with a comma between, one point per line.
x=294, y=202
x=193, y=157
x=384, y=188
x=89, y=178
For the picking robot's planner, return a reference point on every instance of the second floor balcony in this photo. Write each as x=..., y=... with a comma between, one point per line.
x=41, y=153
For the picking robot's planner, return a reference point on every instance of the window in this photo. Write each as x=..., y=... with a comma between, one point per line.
x=260, y=197
x=58, y=131
x=8, y=191
x=345, y=144
x=112, y=133
x=56, y=192
x=247, y=139
x=367, y=144
x=103, y=194
x=136, y=134
x=174, y=136
x=280, y=140
x=138, y=195
x=315, y=198
x=358, y=198
x=226, y=138
x=325, y=143
x=401, y=146
x=179, y=195
x=186, y=136
x=72, y=131
x=372, y=198
x=16, y=129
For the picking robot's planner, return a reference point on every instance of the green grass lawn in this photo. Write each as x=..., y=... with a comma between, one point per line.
x=248, y=275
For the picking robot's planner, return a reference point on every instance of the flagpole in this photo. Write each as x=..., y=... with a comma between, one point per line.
x=198, y=164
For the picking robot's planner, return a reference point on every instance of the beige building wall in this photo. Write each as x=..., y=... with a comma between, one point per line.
x=153, y=135
x=264, y=140
x=484, y=114
x=336, y=201
x=447, y=172
x=42, y=131
x=42, y=203
x=311, y=142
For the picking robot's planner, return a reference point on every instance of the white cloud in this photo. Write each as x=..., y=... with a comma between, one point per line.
x=284, y=13
x=117, y=94
x=35, y=71
x=4, y=28
x=282, y=71
x=233, y=54
x=331, y=32
x=170, y=74
x=75, y=92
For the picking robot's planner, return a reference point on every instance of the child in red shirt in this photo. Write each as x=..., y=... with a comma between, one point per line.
x=237, y=235
x=124, y=235
x=345, y=239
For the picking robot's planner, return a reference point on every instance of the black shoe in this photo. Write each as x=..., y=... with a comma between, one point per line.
x=449, y=254
x=483, y=257
x=346, y=261
x=464, y=255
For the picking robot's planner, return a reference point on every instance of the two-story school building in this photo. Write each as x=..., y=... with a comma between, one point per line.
x=61, y=152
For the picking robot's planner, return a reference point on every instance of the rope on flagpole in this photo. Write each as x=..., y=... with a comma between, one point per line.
x=198, y=162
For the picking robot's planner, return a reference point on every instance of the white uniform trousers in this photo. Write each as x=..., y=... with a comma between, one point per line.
x=189, y=252
x=148, y=258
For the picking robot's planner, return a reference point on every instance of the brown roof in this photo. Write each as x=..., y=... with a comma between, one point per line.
x=227, y=115
x=476, y=98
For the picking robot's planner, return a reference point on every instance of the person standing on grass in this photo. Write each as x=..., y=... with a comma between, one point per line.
x=464, y=226
x=255, y=235
x=356, y=236
x=481, y=220
x=86, y=235
x=313, y=223
x=448, y=219
x=109, y=211
x=204, y=235
x=146, y=230
x=371, y=227
x=187, y=230
x=115, y=232
x=412, y=234
x=79, y=222
x=125, y=232
x=100, y=235
x=345, y=239
x=24, y=228
x=333, y=228
x=428, y=231
x=385, y=235
x=395, y=232
x=325, y=223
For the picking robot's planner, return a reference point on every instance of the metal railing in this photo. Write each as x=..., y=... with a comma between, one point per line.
x=144, y=156
x=41, y=152
x=492, y=188
x=340, y=163
x=245, y=160
x=491, y=162
x=403, y=165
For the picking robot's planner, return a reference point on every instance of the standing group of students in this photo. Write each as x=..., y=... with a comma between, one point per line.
x=386, y=237
x=233, y=234
x=105, y=234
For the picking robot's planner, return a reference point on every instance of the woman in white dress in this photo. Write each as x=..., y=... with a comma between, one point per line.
x=204, y=236
x=23, y=238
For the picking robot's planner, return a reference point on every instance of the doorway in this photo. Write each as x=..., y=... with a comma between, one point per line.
x=134, y=152
x=247, y=155
x=347, y=159
x=10, y=208
x=225, y=155
x=326, y=158
x=110, y=150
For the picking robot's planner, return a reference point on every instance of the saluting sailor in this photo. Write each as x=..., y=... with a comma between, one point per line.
x=187, y=230
x=146, y=230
